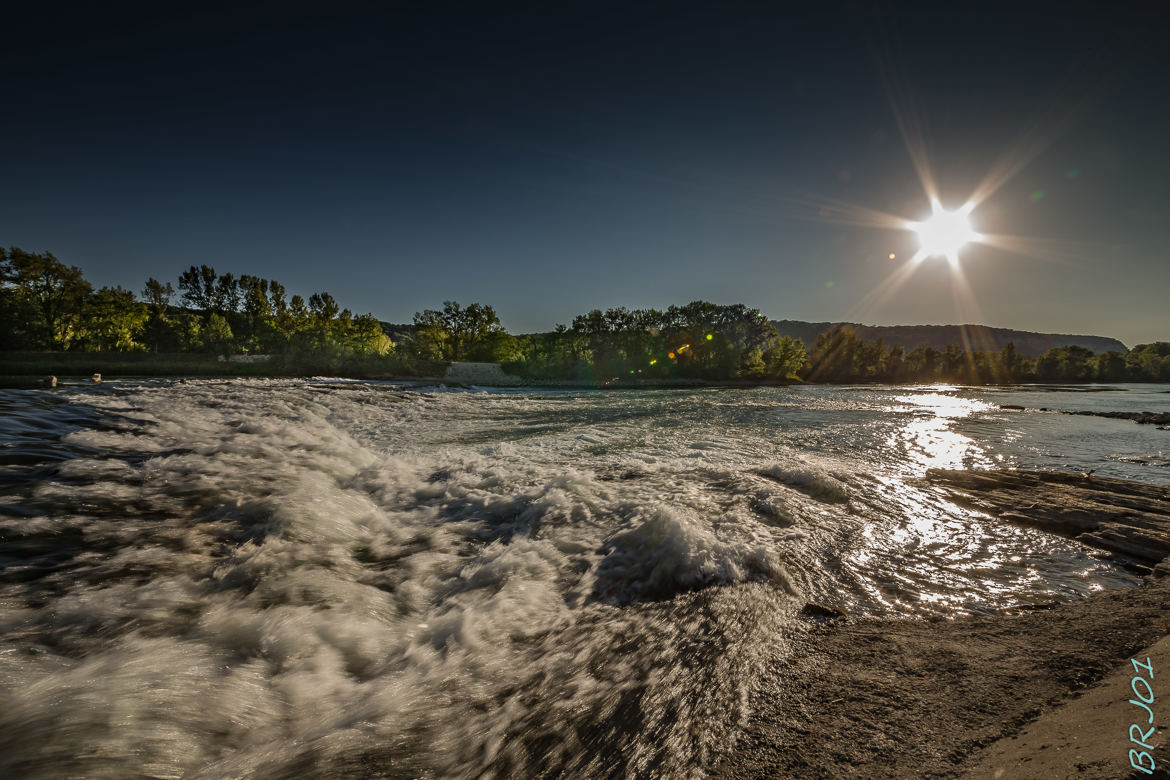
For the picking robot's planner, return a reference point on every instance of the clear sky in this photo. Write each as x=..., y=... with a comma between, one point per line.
x=553, y=157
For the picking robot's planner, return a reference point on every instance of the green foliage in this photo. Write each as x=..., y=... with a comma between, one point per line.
x=698, y=341
x=216, y=336
x=784, y=358
x=461, y=333
x=48, y=294
x=1149, y=362
x=46, y=305
x=842, y=357
x=1067, y=364
x=198, y=288
x=1111, y=367
x=112, y=321
x=431, y=336
x=157, y=295
x=365, y=337
x=834, y=358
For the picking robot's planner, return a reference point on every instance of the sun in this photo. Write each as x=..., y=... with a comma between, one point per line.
x=944, y=233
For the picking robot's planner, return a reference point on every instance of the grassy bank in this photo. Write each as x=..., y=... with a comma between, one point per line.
x=138, y=364
x=27, y=368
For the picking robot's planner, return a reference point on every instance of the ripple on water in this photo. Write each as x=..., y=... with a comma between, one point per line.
x=357, y=578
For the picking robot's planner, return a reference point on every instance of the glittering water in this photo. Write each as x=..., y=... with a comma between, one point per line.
x=279, y=579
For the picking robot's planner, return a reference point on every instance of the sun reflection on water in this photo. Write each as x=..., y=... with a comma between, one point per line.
x=940, y=557
x=930, y=440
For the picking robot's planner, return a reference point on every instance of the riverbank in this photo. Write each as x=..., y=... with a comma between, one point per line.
x=1024, y=694
x=30, y=381
x=29, y=369
x=906, y=698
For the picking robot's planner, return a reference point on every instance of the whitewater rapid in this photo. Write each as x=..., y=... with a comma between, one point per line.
x=302, y=578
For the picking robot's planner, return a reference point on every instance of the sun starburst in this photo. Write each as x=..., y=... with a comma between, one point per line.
x=944, y=233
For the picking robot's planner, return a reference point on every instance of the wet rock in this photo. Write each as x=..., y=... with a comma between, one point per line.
x=1162, y=420
x=1143, y=418
x=824, y=611
x=1128, y=518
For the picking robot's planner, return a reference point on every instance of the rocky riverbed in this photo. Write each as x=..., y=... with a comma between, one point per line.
x=1128, y=518
x=1033, y=692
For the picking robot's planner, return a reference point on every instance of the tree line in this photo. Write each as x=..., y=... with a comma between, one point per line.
x=841, y=356
x=46, y=305
x=700, y=340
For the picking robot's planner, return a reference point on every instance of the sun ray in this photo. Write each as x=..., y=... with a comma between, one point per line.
x=888, y=288
x=967, y=311
x=906, y=117
x=1047, y=124
x=945, y=233
x=830, y=210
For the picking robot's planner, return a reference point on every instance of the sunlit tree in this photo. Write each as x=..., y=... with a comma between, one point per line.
x=113, y=320
x=52, y=294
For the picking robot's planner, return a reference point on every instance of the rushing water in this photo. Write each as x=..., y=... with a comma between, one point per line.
x=285, y=579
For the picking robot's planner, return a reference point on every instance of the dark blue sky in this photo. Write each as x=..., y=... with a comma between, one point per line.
x=552, y=158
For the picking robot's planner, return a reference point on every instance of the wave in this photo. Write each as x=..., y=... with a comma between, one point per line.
x=254, y=587
x=668, y=552
x=813, y=481
x=273, y=578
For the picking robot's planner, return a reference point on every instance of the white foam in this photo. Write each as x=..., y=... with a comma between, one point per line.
x=289, y=578
x=669, y=551
x=810, y=479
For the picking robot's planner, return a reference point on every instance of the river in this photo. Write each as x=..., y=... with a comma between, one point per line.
x=206, y=578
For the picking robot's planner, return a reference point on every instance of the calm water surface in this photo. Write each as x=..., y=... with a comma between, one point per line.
x=297, y=578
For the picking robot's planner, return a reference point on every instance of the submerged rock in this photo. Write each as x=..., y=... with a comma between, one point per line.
x=1144, y=418
x=827, y=611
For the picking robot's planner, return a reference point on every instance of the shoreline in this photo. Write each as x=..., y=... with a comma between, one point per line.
x=1022, y=694
x=35, y=381
x=22, y=369
x=895, y=698
x=30, y=381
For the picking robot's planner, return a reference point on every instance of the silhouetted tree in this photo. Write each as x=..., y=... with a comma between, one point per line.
x=50, y=292
x=198, y=288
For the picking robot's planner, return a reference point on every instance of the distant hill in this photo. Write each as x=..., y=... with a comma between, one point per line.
x=978, y=337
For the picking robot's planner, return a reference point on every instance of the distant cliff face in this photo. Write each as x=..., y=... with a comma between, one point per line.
x=979, y=338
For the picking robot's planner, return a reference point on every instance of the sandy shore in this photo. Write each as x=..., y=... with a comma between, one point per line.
x=1036, y=694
